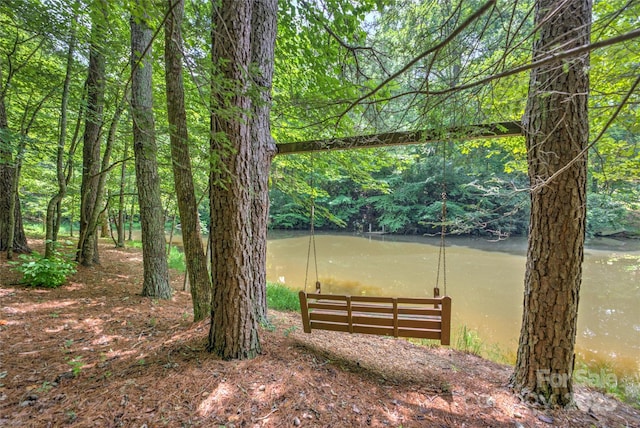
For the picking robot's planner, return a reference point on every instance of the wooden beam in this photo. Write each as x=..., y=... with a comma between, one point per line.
x=472, y=132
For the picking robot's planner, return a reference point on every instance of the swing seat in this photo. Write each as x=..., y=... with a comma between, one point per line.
x=383, y=316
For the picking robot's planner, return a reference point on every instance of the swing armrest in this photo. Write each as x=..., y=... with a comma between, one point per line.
x=304, y=307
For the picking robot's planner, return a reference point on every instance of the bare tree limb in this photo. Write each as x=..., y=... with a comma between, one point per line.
x=595, y=140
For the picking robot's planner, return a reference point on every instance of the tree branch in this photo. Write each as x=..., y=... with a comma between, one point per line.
x=429, y=51
x=598, y=137
x=546, y=60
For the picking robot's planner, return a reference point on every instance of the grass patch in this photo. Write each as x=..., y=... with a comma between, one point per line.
x=34, y=230
x=602, y=377
x=427, y=343
x=176, y=259
x=629, y=390
x=281, y=298
x=468, y=341
x=134, y=244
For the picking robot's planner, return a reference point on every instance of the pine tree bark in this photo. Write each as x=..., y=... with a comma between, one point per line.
x=12, y=236
x=557, y=129
x=156, y=271
x=234, y=324
x=87, y=236
x=195, y=257
x=263, y=36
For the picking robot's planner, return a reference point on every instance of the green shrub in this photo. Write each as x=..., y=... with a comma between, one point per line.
x=38, y=271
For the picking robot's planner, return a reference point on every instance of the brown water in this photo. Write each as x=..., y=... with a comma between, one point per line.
x=485, y=280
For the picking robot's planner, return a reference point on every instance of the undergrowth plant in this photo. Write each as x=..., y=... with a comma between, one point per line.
x=76, y=365
x=469, y=341
x=281, y=298
x=630, y=390
x=38, y=271
x=176, y=259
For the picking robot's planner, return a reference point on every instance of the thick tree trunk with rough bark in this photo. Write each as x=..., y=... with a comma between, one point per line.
x=195, y=257
x=12, y=236
x=20, y=245
x=263, y=36
x=156, y=271
x=87, y=237
x=234, y=323
x=556, y=128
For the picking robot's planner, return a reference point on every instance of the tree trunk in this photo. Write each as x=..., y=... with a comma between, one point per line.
x=14, y=200
x=133, y=207
x=88, y=239
x=195, y=258
x=556, y=128
x=53, y=216
x=121, y=205
x=156, y=271
x=234, y=324
x=12, y=236
x=263, y=36
x=103, y=220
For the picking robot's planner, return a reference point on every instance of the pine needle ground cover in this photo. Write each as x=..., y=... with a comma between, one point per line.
x=93, y=352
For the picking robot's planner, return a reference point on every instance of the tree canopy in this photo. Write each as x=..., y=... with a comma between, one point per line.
x=328, y=56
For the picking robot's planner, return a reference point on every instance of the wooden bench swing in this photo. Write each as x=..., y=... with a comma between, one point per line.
x=384, y=316
x=422, y=318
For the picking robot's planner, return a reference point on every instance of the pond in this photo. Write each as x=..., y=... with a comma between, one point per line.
x=485, y=280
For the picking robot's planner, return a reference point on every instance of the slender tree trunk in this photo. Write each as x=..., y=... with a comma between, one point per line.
x=234, y=323
x=99, y=214
x=121, y=204
x=71, y=217
x=57, y=221
x=133, y=207
x=172, y=229
x=263, y=36
x=53, y=214
x=104, y=222
x=557, y=131
x=195, y=258
x=156, y=272
x=14, y=202
x=110, y=223
x=69, y=176
x=88, y=238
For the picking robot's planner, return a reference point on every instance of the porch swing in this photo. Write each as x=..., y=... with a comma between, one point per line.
x=422, y=318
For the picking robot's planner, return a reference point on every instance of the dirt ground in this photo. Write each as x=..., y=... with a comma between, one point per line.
x=94, y=353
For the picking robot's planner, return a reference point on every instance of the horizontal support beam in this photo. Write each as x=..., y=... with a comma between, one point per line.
x=471, y=132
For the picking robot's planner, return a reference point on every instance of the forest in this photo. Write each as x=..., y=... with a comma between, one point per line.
x=159, y=116
x=398, y=188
